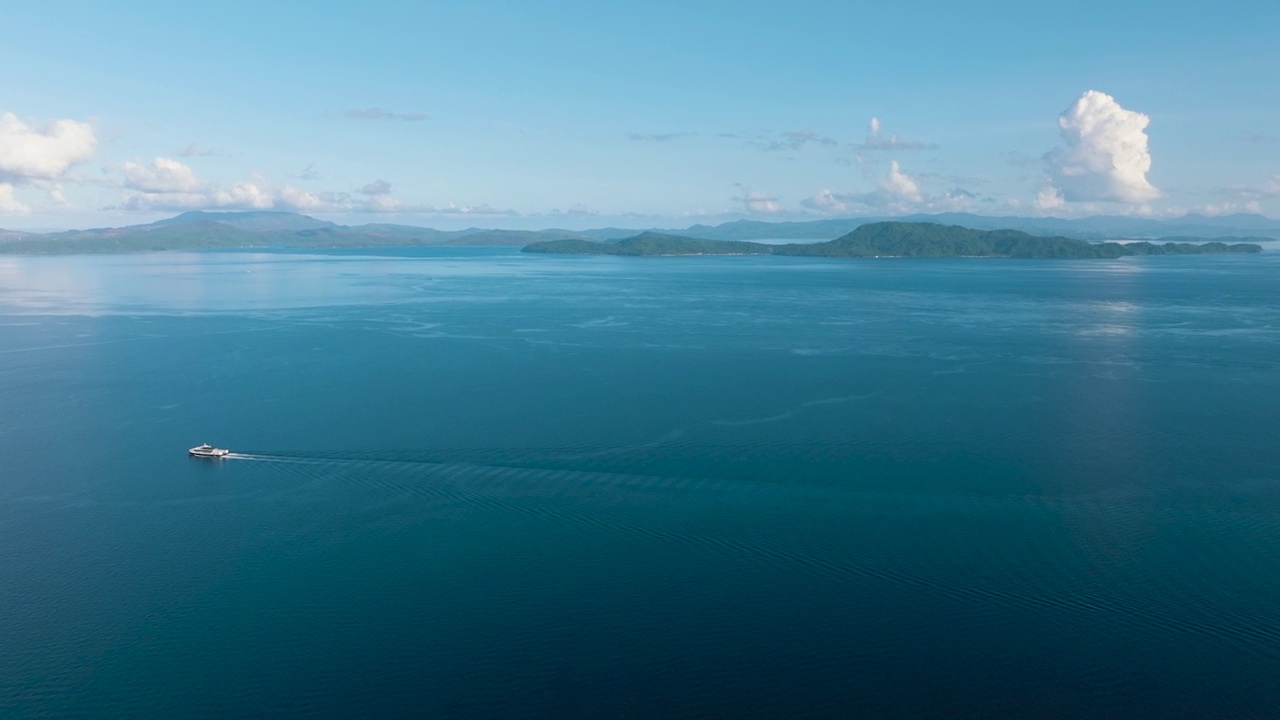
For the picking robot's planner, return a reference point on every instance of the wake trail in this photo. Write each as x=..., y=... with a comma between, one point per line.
x=647, y=507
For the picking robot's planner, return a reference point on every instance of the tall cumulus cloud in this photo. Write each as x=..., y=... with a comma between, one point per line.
x=1103, y=156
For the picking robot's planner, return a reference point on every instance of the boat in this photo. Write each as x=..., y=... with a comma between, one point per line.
x=208, y=451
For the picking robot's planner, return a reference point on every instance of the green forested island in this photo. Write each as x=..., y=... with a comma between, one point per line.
x=650, y=244
x=893, y=239
x=198, y=230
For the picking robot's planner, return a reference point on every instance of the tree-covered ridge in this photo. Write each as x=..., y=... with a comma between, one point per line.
x=649, y=244
x=198, y=230
x=903, y=239
x=893, y=239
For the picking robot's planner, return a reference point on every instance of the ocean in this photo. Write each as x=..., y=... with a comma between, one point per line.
x=478, y=483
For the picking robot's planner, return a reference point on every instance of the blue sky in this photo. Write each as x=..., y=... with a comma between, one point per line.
x=576, y=114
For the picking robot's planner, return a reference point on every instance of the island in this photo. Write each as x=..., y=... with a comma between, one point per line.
x=650, y=244
x=893, y=239
x=200, y=230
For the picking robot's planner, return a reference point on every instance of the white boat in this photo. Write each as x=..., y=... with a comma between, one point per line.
x=208, y=451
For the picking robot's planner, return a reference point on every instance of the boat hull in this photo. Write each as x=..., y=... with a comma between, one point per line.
x=208, y=451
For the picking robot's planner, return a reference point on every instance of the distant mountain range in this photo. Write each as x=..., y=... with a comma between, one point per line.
x=893, y=239
x=199, y=230
x=1244, y=227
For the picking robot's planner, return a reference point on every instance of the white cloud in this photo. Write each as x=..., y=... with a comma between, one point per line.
x=167, y=184
x=293, y=198
x=1230, y=208
x=377, y=187
x=1049, y=199
x=1104, y=156
x=56, y=195
x=1266, y=189
x=876, y=141
x=383, y=203
x=828, y=202
x=163, y=175
x=29, y=153
x=757, y=202
x=900, y=185
x=896, y=192
x=8, y=203
x=246, y=195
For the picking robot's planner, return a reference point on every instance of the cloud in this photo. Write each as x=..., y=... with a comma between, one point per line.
x=1244, y=198
x=238, y=196
x=166, y=184
x=1266, y=189
x=163, y=175
x=757, y=202
x=896, y=192
x=451, y=209
x=56, y=195
x=1229, y=208
x=29, y=153
x=658, y=137
x=194, y=150
x=374, y=113
x=8, y=203
x=825, y=201
x=1049, y=199
x=377, y=187
x=576, y=210
x=876, y=141
x=1104, y=155
x=900, y=185
x=794, y=140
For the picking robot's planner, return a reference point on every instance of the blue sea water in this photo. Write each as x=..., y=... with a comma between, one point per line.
x=480, y=483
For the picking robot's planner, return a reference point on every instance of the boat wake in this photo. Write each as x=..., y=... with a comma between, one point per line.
x=834, y=534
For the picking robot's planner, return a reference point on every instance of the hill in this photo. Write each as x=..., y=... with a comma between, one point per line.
x=913, y=239
x=253, y=221
x=649, y=244
x=198, y=230
x=892, y=239
x=1240, y=227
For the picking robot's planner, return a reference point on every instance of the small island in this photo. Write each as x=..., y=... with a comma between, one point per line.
x=893, y=239
x=650, y=244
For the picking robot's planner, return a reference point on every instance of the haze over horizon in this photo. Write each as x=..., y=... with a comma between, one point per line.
x=644, y=116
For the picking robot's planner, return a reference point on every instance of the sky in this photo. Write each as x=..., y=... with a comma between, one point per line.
x=565, y=113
